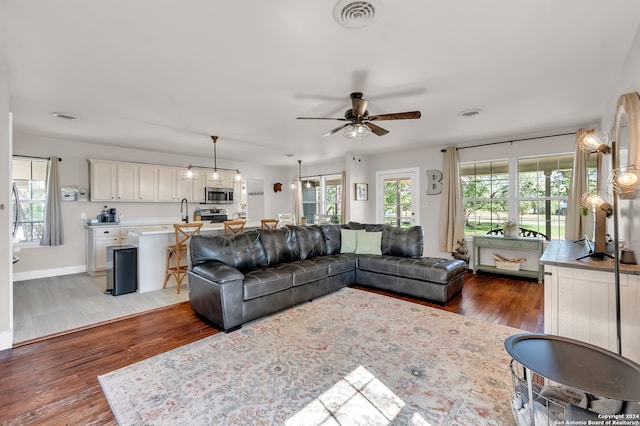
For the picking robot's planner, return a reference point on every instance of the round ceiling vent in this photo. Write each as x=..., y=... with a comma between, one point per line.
x=356, y=14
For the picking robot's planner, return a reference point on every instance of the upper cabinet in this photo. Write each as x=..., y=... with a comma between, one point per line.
x=120, y=181
x=136, y=182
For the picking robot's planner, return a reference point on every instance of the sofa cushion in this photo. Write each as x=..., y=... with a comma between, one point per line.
x=403, y=242
x=348, y=241
x=369, y=227
x=430, y=269
x=280, y=245
x=310, y=241
x=368, y=243
x=338, y=263
x=305, y=271
x=261, y=282
x=242, y=251
x=331, y=235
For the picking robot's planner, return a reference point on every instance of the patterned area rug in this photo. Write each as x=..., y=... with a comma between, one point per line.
x=351, y=357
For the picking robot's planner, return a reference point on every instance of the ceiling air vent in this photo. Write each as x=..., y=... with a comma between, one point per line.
x=356, y=14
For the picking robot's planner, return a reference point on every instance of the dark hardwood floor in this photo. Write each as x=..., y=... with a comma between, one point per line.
x=54, y=381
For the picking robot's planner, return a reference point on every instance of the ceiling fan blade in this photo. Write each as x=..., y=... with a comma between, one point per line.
x=359, y=106
x=377, y=129
x=320, y=118
x=397, y=116
x=336, y=130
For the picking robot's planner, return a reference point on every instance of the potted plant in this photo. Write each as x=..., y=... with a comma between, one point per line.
x=303, y=221
x=510, y=228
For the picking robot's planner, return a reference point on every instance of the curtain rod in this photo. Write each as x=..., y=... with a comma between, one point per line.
x=33, y=156
x=513, y=140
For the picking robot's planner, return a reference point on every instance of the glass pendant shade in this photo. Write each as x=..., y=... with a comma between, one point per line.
x=595, y=140
x=215, y=175
x=189, y=173
x=596, y=199
x=625, y=181
x=356, y=131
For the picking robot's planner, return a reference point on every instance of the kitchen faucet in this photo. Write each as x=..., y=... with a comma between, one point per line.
x=185, y=218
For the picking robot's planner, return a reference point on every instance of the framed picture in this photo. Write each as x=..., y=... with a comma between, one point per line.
x=362, y=191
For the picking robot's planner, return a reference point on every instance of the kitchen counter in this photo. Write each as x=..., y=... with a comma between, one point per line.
x=565, y=253
x=152, y=242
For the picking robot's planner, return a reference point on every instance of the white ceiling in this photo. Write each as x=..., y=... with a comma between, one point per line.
x=163, y=75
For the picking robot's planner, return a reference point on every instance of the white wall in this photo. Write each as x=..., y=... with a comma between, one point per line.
x=6, y=275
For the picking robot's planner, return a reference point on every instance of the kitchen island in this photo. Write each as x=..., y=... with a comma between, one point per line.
x=152, y=242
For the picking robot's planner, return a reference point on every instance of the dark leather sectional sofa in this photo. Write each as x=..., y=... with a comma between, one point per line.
x=234, y=280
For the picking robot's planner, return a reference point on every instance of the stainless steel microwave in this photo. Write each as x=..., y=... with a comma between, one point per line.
x=214, y=195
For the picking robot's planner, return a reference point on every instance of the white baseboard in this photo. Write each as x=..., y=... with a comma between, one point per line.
x=6, y=339
x=44, y=273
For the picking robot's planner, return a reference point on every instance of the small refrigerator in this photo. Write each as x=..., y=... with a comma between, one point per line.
x=122, y=270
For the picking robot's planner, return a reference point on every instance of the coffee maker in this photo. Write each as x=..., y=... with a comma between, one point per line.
x=108, y=215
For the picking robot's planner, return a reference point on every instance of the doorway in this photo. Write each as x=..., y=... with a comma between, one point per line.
x=398, y=195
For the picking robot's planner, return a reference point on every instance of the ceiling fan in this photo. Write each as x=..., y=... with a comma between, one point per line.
x=359, y=122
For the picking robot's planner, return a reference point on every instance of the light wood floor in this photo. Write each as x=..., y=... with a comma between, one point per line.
x=54, y=381
x=47, y=306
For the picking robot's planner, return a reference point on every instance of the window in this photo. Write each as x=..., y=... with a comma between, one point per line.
x=321, y=199
x=485, y=195
x=30, y=177
x=538, y=201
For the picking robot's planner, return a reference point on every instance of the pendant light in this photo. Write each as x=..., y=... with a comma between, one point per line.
x=215, y=175
x=189, y=173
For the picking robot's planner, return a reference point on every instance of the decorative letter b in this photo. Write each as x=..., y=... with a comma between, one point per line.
x=434, y=178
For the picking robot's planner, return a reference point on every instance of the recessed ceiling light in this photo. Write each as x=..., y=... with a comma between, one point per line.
x=467, y=113
x=356, y=14
x=65, y=115
x=288, y=155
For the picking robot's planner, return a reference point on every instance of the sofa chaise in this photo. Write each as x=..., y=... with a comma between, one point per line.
x=234, y=280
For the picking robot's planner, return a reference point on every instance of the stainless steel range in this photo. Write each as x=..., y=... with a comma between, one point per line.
x=213, y=215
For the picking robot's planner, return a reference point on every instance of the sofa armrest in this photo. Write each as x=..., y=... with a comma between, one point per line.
x=218, y=272
x=216, y=293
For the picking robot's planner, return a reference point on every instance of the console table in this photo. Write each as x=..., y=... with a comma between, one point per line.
x=577, y=364
x=530, y=248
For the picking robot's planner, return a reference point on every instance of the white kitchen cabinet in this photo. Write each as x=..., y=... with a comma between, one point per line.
x=123, y=181
x=127, y=182
x=104, y=181
x=97, y=241
x=167, y=181
x=147, y=183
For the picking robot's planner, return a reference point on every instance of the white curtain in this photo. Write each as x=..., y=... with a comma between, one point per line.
x=574, y=221
x=297, y=201
x=451, y=207
x=343, y=199
x=53, y=233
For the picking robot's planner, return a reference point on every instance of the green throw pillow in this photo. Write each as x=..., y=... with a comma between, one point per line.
x=369, y=243
x=348, y=240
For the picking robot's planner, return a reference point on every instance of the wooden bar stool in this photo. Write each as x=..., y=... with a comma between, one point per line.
x=178, y=252
x=269, y=223
x=232, y=227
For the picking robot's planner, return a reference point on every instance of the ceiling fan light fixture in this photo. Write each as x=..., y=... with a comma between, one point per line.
x=356, y=131
x=356, y=14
